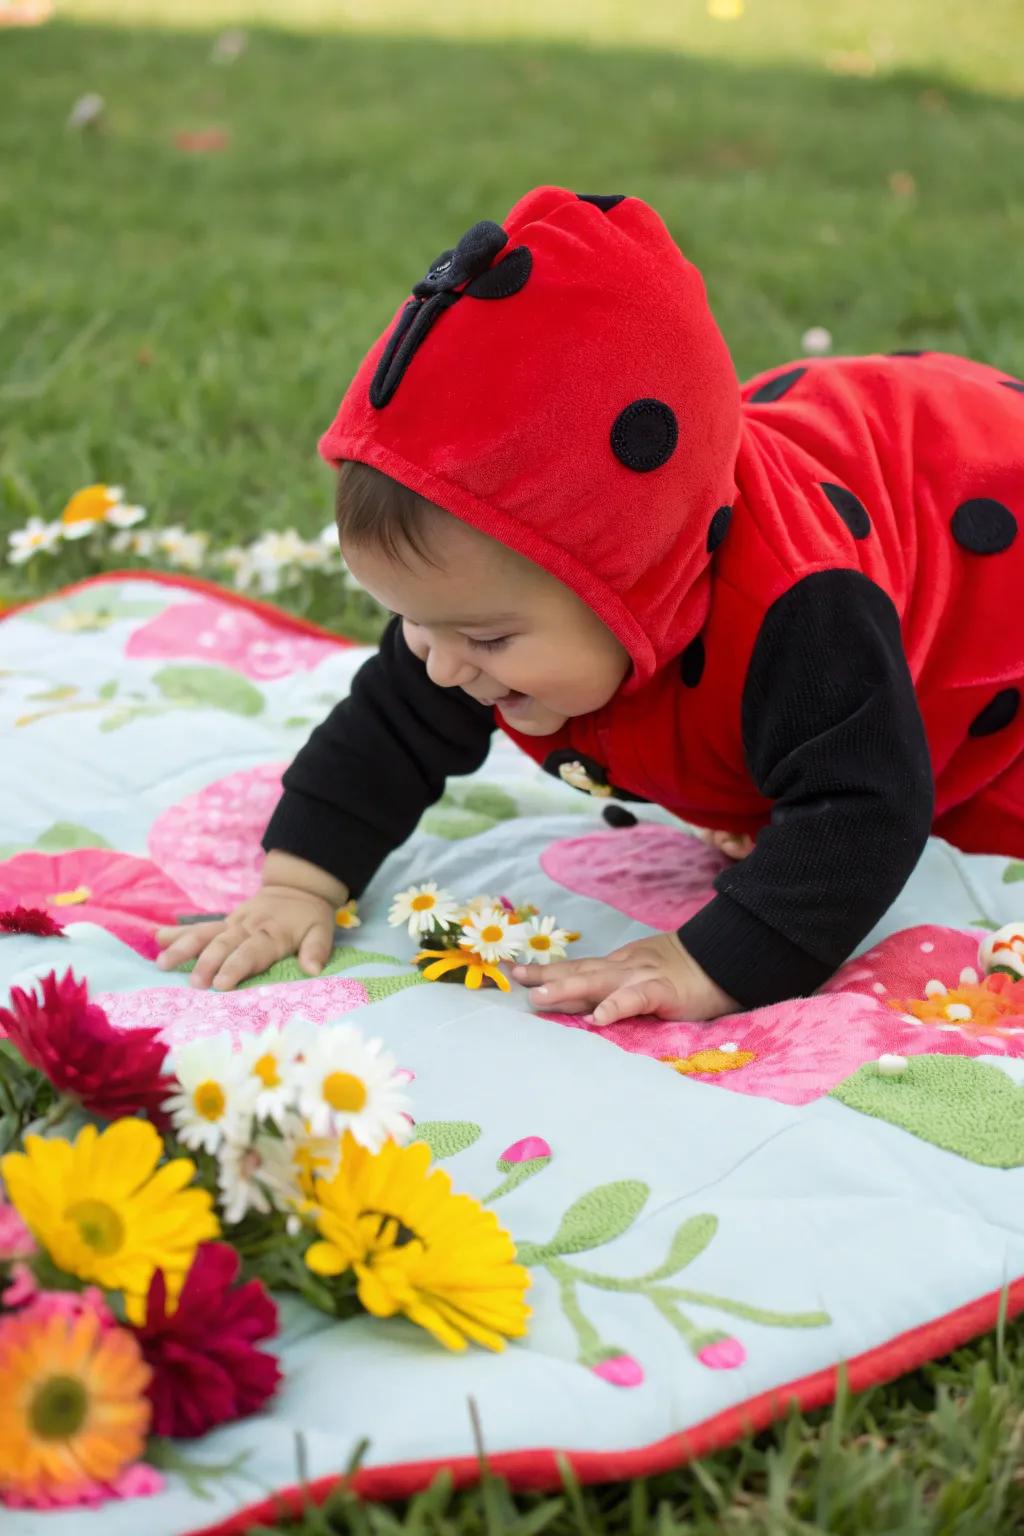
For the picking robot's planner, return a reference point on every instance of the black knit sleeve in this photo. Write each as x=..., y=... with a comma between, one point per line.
x=363, y=780
x=834, y=737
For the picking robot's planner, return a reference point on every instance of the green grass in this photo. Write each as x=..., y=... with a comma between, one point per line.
x=185, y=326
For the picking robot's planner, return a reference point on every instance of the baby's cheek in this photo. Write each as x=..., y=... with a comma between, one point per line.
x=415, y=641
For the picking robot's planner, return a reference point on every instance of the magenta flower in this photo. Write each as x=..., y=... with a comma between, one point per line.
x=620, y=1371
x=30, y=920
x=524, y=1151
x=129, y=897
x=16, y=1241
x=722, y=1354
x=233, y=637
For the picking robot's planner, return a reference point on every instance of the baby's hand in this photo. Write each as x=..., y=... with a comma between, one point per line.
x=654, y=976
x=278, y=922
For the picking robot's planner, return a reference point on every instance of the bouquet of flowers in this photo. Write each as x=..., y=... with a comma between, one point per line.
x=152, y=1199
x=467, y=941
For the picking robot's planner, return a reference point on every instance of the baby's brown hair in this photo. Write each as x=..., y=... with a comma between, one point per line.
x=372, y=509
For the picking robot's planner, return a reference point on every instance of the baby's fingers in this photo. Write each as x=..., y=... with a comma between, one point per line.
x=181, y=944
x=640, y=997
x=574, y=991
x=249, y=955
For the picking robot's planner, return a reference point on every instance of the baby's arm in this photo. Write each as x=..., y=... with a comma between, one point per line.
x=353, y=794
x=834, y=737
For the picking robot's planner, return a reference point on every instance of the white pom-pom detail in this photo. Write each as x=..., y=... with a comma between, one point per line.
x=892, y=1066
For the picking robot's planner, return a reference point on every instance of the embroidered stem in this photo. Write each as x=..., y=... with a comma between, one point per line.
x=588, y=1338
x=752, y=1314
x=519, y=1175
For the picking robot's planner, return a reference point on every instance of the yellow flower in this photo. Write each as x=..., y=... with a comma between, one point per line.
x=454, y=959
x=103, y=1214
x=439, y=1258
x=73, y=1410
x=345, y=917
x=96, y=504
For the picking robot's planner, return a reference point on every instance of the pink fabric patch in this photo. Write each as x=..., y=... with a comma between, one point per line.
x=233, y=637
x=658, y=875
x=210, y=842
x=190, y=1013
x=129, y=897
x=804, y=1047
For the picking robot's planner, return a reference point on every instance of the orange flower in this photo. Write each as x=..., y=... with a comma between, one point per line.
x=714, y=1060
x=974, y=1008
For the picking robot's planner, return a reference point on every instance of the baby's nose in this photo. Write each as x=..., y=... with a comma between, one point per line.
x=448, y=670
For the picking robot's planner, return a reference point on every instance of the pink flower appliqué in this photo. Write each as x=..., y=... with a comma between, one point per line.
x=620, y=1371
x=210, y=842
x=231, y=636
x=657, y=875
x=129, y=897
x=186, y=1013
x=723, y=1355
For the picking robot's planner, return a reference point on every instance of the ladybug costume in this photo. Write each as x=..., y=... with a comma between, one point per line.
x=818, y=576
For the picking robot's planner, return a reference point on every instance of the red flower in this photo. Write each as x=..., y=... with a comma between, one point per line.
x=30, y=920
x=205, y=1369
x=111, y=1072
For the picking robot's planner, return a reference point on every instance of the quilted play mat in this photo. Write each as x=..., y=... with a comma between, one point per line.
x=716, y=1217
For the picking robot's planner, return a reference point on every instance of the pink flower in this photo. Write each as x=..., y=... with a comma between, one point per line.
x=209, y=630
x=620, y=1371
x=526, y=1150
x=70, y=1305
x=723, y=1354
x=71, y=1041
x=139, y=1481
x=658, y=875
x=16, y=1241
x=205, y=1368
x=30, y=920
x=129, y=897
x=210, y=842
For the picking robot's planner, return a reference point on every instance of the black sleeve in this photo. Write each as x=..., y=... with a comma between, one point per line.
x=833, y=735
x=363, y=780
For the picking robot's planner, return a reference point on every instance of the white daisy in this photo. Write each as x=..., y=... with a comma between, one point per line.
x=478, y=904
x=421, y=906
x=347, y=916
x=270, y=1059
x=256, y=1176
x=216, y=1095
x=348, y=1083
x=141, y=544
x=181, y=547
x=543, y=942
x=490, y=935
x=35, y=536
x=124, y=516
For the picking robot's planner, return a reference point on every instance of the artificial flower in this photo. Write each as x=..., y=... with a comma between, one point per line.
x=95, y=505
x=345, y=917
x=28, y=541
x=1003, y=950
x=421, y=906
x=111, y=1072
x=103, y=1210
x=346, y=1082
x=489, y=935
x=543, y=942
x=73, y=1411
x=205, y=1370
x=30, y=920
x=993, y=1007
x=449, y=961
x=416, y=1248
x=271, y=1058
x=215, y=1095
x=126, y=895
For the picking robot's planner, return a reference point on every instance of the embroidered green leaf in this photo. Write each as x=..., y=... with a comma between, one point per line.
x=53, y=695
x=380, y=987
x=453, y=825
x=983, y=922
x=295, y=721
x=63, y=835
x=1013, y=872
x=689, y=1242
x=108, y=689
x=342, y=959
x=213, y=687
x=597, y=1217
x=956, y=1103
x=447, y=1137
x=489, y=800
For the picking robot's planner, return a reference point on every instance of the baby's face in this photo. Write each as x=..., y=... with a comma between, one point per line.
x=488, y=621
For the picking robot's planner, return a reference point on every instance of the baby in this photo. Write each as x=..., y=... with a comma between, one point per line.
x=792, y=609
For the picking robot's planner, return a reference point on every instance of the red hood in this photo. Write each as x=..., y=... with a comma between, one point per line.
x=559, y=382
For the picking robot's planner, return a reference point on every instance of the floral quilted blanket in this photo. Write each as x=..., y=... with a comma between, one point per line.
x=715, y=1217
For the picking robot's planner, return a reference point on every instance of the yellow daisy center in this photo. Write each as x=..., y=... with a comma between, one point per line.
x=423, y=903
x=71, y=898
x=209, y=1100
x=99, y=1225
x=540, y=941
x=58, y=1408
x=492, y=934
x=345, y=1092
x=266, y=1070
